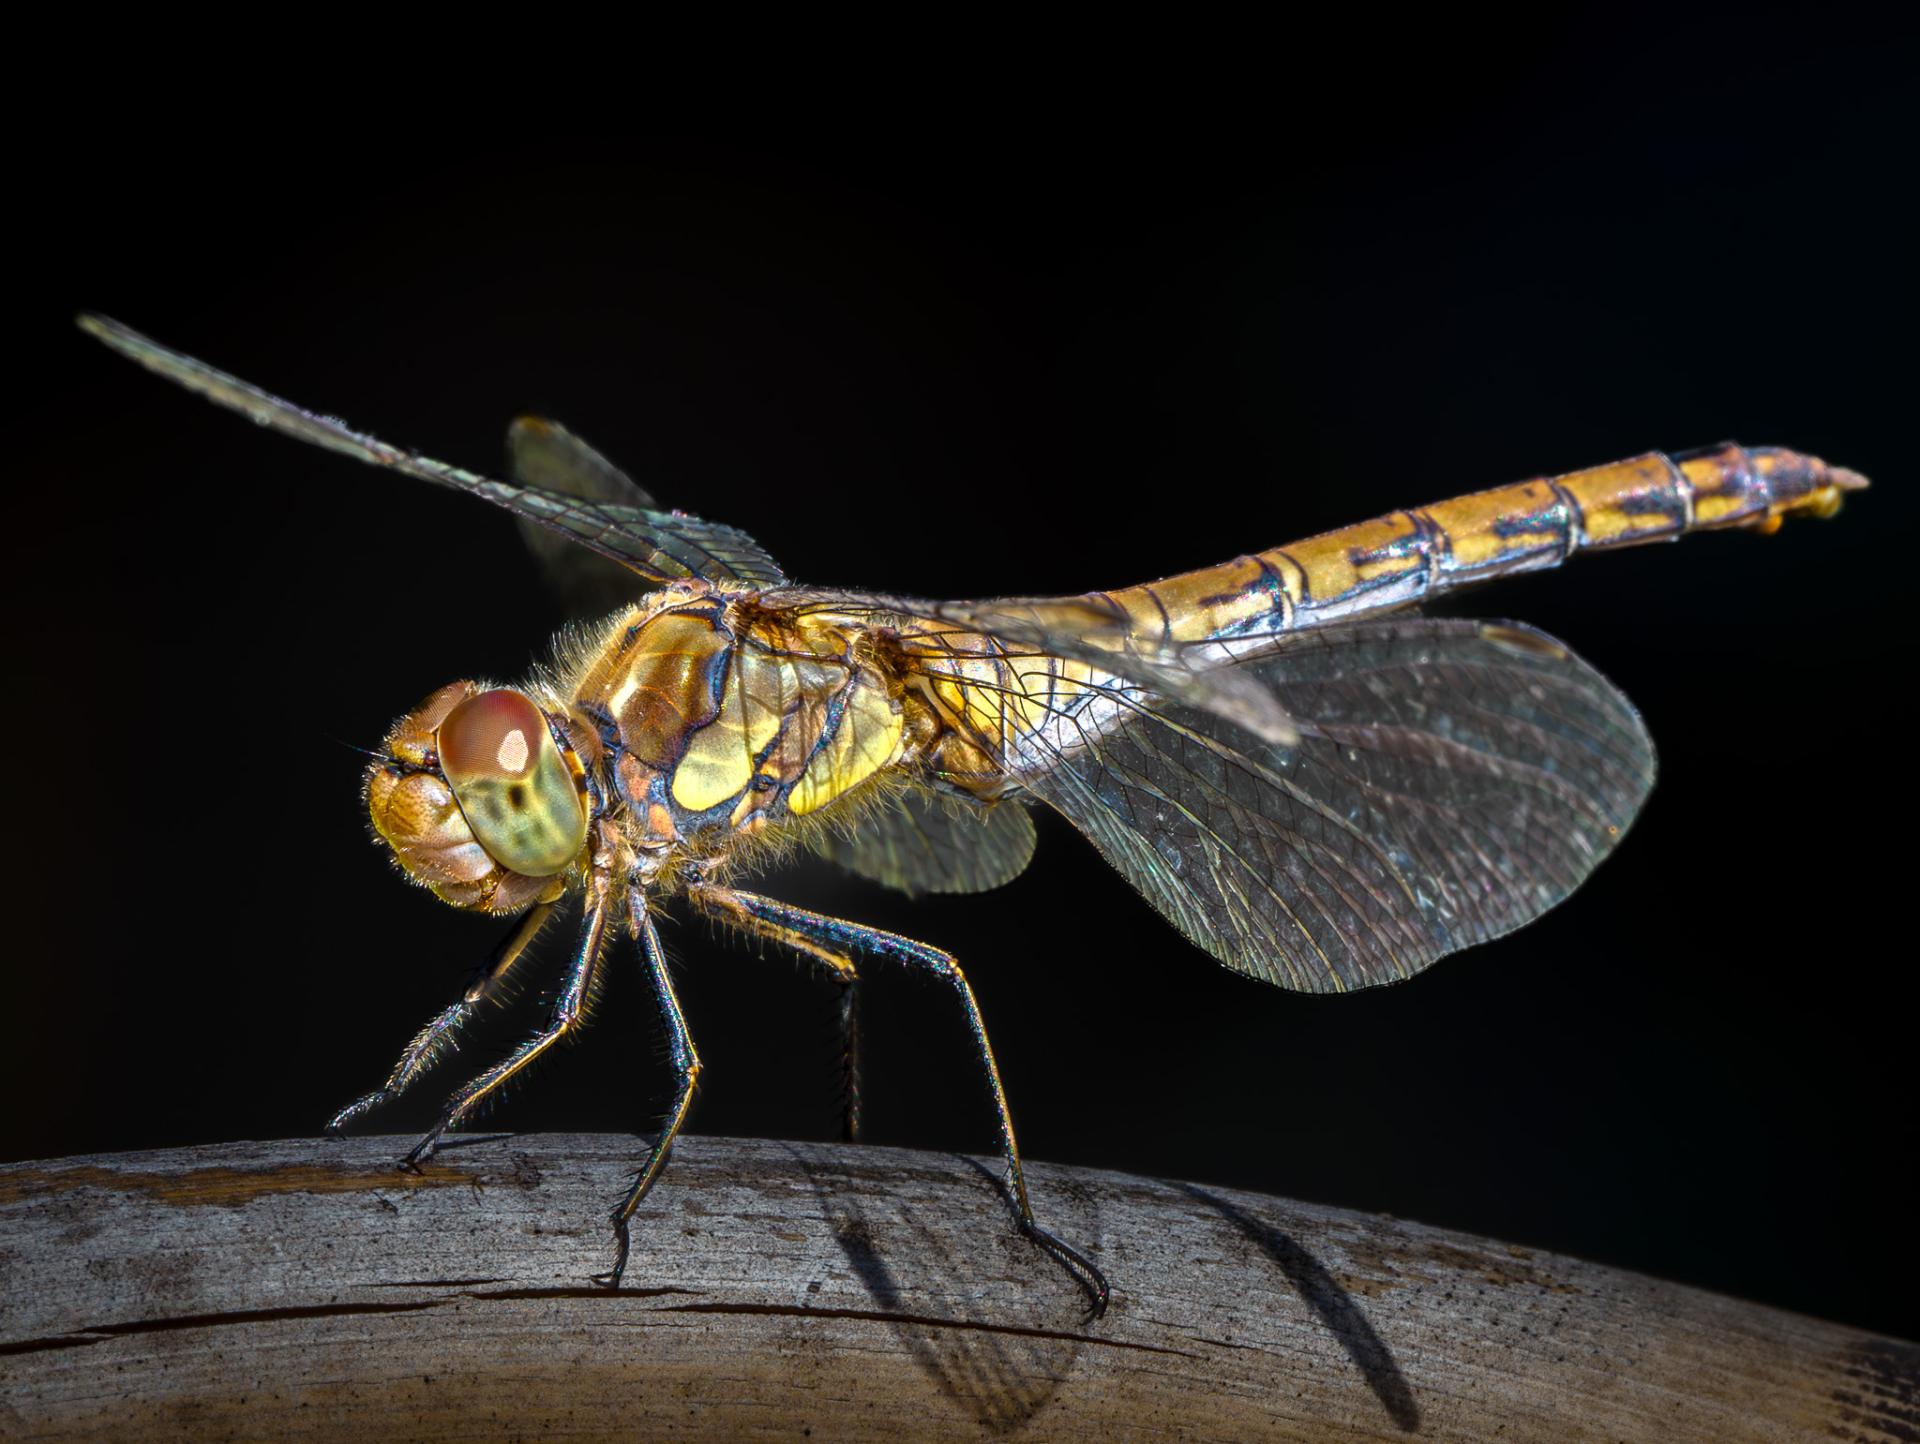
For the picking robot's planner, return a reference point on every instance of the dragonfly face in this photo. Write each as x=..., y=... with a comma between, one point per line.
x=1313, y=783
x=482, y=797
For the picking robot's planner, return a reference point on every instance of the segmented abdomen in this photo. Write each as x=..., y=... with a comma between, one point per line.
x=1406, y=556
x=1021, y=712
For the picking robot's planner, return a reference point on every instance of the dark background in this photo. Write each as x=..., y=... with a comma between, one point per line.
x=997, y=324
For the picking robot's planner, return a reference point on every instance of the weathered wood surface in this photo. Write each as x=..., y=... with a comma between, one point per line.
x=310, y=1289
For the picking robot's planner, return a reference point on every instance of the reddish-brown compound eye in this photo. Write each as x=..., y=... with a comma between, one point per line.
x=512, y=784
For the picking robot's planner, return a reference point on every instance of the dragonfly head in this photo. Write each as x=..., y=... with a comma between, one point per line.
x=481, y=797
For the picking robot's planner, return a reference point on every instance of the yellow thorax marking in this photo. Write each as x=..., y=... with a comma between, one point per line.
x=718, y=762
x=866, y=740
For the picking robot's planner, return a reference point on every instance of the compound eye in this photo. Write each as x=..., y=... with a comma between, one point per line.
x=513, y=786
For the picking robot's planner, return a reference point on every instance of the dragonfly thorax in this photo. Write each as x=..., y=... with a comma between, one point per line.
x=716, y=719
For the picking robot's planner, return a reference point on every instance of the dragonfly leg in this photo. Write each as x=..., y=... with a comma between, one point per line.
x=569, y=1012
x=849, y=981
x=686, y=1073
x=720, y=904
x=838, y=933
x=440, y=1036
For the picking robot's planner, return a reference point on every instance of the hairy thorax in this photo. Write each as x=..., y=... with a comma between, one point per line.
x=711, y=720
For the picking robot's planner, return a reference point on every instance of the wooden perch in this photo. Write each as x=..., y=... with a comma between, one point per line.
x=776, y=1289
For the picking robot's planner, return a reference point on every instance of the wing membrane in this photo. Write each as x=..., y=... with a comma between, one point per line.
x=544, y=454
x=927, y=843
x=1452, y=781
x=541, y=452
x=660, y=546
x=1077, y=629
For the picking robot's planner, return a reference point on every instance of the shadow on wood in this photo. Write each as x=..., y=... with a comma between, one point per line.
x=310, y=1288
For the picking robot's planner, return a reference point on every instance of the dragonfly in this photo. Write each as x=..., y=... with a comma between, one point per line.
x=1312, y=781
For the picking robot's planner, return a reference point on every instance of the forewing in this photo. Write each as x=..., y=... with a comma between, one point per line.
x=545, y=455
x=927, y=843
x=660, y=546
x=1452, y=781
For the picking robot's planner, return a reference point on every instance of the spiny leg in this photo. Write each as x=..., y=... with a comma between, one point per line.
x=569, y=1011
x=838, y=933
x=686, y=1073
x=720, y=904
x=434, y=1041
x=849, y=981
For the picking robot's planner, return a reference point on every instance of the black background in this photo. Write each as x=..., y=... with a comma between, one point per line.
x=995, y=323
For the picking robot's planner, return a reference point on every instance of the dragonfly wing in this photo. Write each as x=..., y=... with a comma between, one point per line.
x=928, y=843
x=1452, y=781
x=544, y=454
x=1079, y=630
x=660, y=546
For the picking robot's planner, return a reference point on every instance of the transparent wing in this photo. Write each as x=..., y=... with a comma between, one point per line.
x=660, y=546
x=544, y=454
x=928, y=843
x=1078, y=629
x=1452, y=781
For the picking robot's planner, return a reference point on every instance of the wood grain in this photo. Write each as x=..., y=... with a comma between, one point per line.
x=309, y=1289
